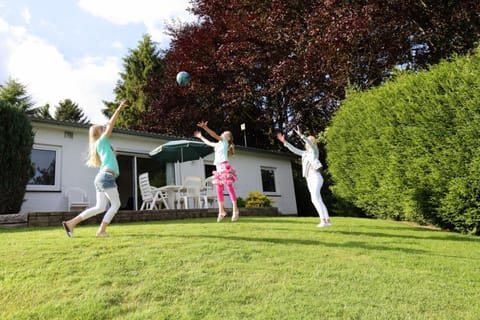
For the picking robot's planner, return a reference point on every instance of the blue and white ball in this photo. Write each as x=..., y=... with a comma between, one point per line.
x=183, y=78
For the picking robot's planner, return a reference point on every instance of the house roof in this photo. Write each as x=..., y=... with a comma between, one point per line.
x=71, y=124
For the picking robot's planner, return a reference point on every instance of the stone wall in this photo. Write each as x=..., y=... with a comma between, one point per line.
x=13, y=220
x=48, y=219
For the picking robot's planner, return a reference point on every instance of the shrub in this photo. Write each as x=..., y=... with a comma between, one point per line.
x=240, y=202
x=258, y=199
x=16, y=140
x=409, y=149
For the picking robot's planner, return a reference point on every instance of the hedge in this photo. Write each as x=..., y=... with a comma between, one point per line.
x=410, y=149
x=16, y=141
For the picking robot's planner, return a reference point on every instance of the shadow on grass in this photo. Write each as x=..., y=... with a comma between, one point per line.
x=336, y=229
x=443, y=237
x=22, y=229
x=305, y=242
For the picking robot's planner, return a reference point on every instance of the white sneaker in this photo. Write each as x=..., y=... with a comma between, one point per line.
x=235, y=216
x=322, y=225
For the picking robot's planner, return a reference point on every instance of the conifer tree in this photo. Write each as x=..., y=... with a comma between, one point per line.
x=15, y=93
x=141, y=66
x=67, y=110
x=43, y=112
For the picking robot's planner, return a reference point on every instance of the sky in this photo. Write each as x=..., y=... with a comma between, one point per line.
x=74, y=49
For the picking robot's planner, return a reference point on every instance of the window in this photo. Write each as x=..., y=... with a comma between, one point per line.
x=46, y=163
x=209, y=168
x=268, y=180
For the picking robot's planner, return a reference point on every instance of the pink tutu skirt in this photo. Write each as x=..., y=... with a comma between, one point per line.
x=225, y=175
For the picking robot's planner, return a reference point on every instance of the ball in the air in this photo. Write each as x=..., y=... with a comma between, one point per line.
x=183, y=78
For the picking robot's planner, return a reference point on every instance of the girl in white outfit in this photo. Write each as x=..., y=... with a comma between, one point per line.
x=310, y=170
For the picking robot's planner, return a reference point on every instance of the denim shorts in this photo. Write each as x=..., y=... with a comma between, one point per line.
x=104, y=180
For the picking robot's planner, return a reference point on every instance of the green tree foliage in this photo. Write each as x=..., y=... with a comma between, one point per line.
x=43, y=112
x=142, y=66
x=410, y=149
x=15, y=93
x=16, y=140
x=277, y=64
x=67, y=110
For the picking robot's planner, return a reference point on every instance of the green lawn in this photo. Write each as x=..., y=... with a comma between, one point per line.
x=257, y=268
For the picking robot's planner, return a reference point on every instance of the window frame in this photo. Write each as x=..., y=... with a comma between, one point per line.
x=210, y=166
x=262, y=168
x=58, y=156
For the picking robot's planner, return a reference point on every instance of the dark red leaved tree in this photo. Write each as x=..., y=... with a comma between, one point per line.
x=276, y=64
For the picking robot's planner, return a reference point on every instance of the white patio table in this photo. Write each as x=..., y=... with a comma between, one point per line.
x=172, y=192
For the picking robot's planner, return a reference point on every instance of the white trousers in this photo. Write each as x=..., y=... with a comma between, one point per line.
x=103, y=197
x=314, y=183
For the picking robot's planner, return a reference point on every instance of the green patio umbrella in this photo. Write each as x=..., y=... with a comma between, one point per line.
x=180, y=151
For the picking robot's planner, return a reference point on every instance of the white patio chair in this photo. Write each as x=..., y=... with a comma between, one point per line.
x=77, y=199
x=151, y=196
x=191, y=190
x=209, y=193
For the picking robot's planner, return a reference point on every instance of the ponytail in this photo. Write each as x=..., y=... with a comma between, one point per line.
x=231, y=149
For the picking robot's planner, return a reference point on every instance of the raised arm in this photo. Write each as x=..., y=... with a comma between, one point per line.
x=290, y=147
x=298, y=131
x=307, y=141
x=204, y=125
x=111, y=122
x=198, y=134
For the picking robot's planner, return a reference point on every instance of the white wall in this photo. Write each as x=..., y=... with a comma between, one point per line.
x=74, y=172
x=248, y=166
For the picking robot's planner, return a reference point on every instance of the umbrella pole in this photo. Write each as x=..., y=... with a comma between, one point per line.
x=179, y=174
x=179, y=167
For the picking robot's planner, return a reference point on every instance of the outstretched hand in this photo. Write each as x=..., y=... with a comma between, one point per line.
x=281, y=137
x=202, y=124
x=298, y=131
x=111, y=122
x=123, y=104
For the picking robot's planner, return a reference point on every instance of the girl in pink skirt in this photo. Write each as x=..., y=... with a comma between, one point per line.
x=225, y=174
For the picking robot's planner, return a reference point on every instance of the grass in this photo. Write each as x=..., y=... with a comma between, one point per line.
x=257, y=268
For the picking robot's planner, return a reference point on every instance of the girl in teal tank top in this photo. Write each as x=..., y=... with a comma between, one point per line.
x=102, y=156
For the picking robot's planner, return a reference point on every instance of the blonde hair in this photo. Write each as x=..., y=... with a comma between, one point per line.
x=231, y=147
x=312, y=140
x=94, y=133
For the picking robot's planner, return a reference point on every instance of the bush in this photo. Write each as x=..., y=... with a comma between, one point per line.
x=409, y=150
x=16, y=141
x=258, y=199
x=240, y=202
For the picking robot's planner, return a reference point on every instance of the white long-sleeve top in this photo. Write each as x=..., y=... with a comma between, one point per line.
x=307, y=156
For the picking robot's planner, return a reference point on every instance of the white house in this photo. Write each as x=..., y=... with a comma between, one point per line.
x=60, y=150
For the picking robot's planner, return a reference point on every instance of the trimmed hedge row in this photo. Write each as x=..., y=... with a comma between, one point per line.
x=16, y=141
x=410, y=149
